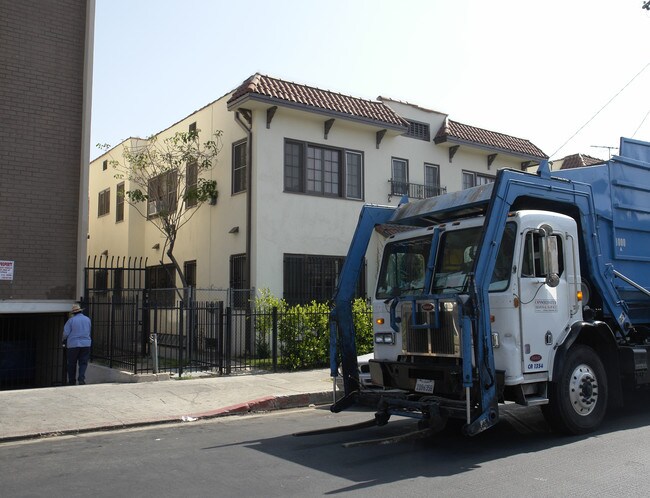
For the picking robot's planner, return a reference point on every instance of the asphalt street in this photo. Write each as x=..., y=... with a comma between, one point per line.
x=258, y=455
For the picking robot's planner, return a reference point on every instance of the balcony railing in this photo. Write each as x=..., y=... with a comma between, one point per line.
x=414, y=190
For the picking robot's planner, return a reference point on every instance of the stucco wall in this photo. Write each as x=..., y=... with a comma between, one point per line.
x=284, y=222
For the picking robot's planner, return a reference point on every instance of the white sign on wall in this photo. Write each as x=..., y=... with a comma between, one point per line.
x=6, y=270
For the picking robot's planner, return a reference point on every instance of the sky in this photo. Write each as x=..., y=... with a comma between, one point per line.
x=544, y=71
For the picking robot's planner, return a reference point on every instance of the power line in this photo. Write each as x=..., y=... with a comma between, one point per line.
x=603, y=107
x=646, y=114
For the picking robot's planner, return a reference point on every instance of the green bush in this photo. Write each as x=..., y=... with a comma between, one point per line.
x=362, y=319
x=303, y=330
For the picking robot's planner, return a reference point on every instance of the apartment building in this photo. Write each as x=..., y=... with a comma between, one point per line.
x=296, y=166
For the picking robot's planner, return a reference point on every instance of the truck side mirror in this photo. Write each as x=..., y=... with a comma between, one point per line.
x=550, y=263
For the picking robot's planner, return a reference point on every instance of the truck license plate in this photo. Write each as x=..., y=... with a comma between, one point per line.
x=424, y=386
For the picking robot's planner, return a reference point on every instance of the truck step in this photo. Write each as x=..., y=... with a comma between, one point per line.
x=536, y=400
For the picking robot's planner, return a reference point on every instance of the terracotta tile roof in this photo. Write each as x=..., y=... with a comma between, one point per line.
x=579, y=160
x=272, y=89
x=452, y=131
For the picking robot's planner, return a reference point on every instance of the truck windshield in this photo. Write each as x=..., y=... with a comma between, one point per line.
x=455, y=259
x=404, y=263
x=456, y=255
x=403, y=268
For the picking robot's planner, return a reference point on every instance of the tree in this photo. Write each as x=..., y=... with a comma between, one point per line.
x=166, y=175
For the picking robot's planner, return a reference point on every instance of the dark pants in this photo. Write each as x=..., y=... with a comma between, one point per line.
x=74, y=356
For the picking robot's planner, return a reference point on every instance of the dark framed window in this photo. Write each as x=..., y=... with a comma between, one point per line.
x=191, y=184
x=474, y=179
x=104, y=202
x=100, y=283
x=238, y=284
x=354, y=175
x=310, y=277
x=324, y=171
x=162, y=193
x=161, y=282
x=239, y=164
x=192, y=128
x=105, y=165
x=399, y=176
x=418, y=130
x=189, y=268
x=119, y=202
x=293, y=167
x=431, y=180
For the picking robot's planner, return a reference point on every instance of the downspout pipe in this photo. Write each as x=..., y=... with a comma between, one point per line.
x=248, y=128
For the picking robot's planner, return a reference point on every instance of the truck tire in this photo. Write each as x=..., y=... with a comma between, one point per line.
x=578, y=397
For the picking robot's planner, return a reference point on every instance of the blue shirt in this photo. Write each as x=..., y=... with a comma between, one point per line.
x=77, y=331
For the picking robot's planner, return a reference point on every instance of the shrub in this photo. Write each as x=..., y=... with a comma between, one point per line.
x=303, y=330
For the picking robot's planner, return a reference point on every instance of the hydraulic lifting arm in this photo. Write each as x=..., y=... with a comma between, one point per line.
x=341, y=323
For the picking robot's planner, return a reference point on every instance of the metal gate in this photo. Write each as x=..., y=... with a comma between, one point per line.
x=143, y=330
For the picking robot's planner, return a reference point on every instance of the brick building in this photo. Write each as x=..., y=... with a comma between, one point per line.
x=45, y=100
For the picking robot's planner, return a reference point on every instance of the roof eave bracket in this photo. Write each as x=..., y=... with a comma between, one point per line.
x=328, y=126
x=380, y=136
x=452, y=152
x=490, y=160
x=270, y=112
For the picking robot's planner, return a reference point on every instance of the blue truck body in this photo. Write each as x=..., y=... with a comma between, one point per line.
x=610, y=204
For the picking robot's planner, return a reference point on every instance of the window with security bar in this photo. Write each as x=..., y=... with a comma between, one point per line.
x=238, y=284
x=310, y=278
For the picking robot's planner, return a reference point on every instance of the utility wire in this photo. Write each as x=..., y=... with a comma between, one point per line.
x=646, y=114
x=601, y=109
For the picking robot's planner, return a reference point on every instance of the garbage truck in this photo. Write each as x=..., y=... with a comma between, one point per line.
x=532, y=289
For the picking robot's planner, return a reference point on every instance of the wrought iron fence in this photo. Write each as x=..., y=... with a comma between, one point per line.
x=143, y=330
x=206, y=336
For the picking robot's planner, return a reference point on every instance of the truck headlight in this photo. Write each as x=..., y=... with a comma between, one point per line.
x=385, y=338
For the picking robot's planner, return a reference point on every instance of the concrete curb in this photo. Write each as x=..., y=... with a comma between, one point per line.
x=270, y=403
x=259, y=405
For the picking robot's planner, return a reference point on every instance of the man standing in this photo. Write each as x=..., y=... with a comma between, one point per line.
x=76, y=337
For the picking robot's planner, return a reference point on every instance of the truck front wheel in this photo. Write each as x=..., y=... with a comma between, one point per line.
x=578, y=397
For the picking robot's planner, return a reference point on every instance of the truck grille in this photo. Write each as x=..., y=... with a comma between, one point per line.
x=430, y=340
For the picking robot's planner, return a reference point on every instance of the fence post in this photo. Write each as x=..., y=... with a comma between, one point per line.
x=134, y=321
x=181, y=341
x=154, y=351
x=111, y=334
x=146, y=322
x=190, y=306
x=228, y=341
x=154, y=308
x=220, y=338
x=274, y=338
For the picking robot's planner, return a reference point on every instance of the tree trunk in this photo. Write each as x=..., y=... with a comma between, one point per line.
x=170, y=255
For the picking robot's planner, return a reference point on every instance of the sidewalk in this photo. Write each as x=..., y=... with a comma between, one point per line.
x=33, y=413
